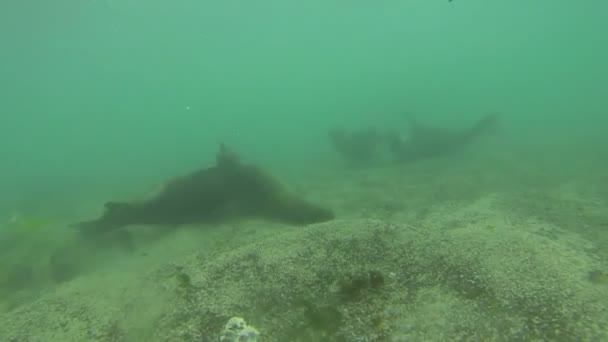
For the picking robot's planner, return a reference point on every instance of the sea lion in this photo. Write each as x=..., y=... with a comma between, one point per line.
x=358, y=147
x=228, y=190
x=426, y=142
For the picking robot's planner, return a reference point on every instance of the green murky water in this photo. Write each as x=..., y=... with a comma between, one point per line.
x=108, y=99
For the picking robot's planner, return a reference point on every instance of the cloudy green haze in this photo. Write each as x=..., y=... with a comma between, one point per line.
x=109, y=92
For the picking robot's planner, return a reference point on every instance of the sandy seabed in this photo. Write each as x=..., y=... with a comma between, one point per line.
x=431, y=252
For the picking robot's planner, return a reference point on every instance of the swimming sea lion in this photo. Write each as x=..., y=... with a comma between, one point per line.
x=426, y=142
x=228, y=190
x=359, y=147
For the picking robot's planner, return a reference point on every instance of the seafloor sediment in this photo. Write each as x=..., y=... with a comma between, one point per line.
x=466, y=257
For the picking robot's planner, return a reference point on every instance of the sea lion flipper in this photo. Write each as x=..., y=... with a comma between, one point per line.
x=226, y=157
x=488, y=123
x=111, y=218
x=89, y=226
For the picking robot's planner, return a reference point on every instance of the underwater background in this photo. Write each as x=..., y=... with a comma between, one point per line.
x=106, y=99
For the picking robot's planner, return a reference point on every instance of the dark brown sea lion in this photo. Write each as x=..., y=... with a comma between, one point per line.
x=425, y=142
x=228, y=190
x=359, y=147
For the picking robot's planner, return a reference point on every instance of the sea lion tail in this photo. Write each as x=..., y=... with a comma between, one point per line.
x=486, y=124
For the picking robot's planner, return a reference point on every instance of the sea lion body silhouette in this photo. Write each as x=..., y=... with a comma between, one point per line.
x=426, y=142
x=228, y=190
x=359, y=147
